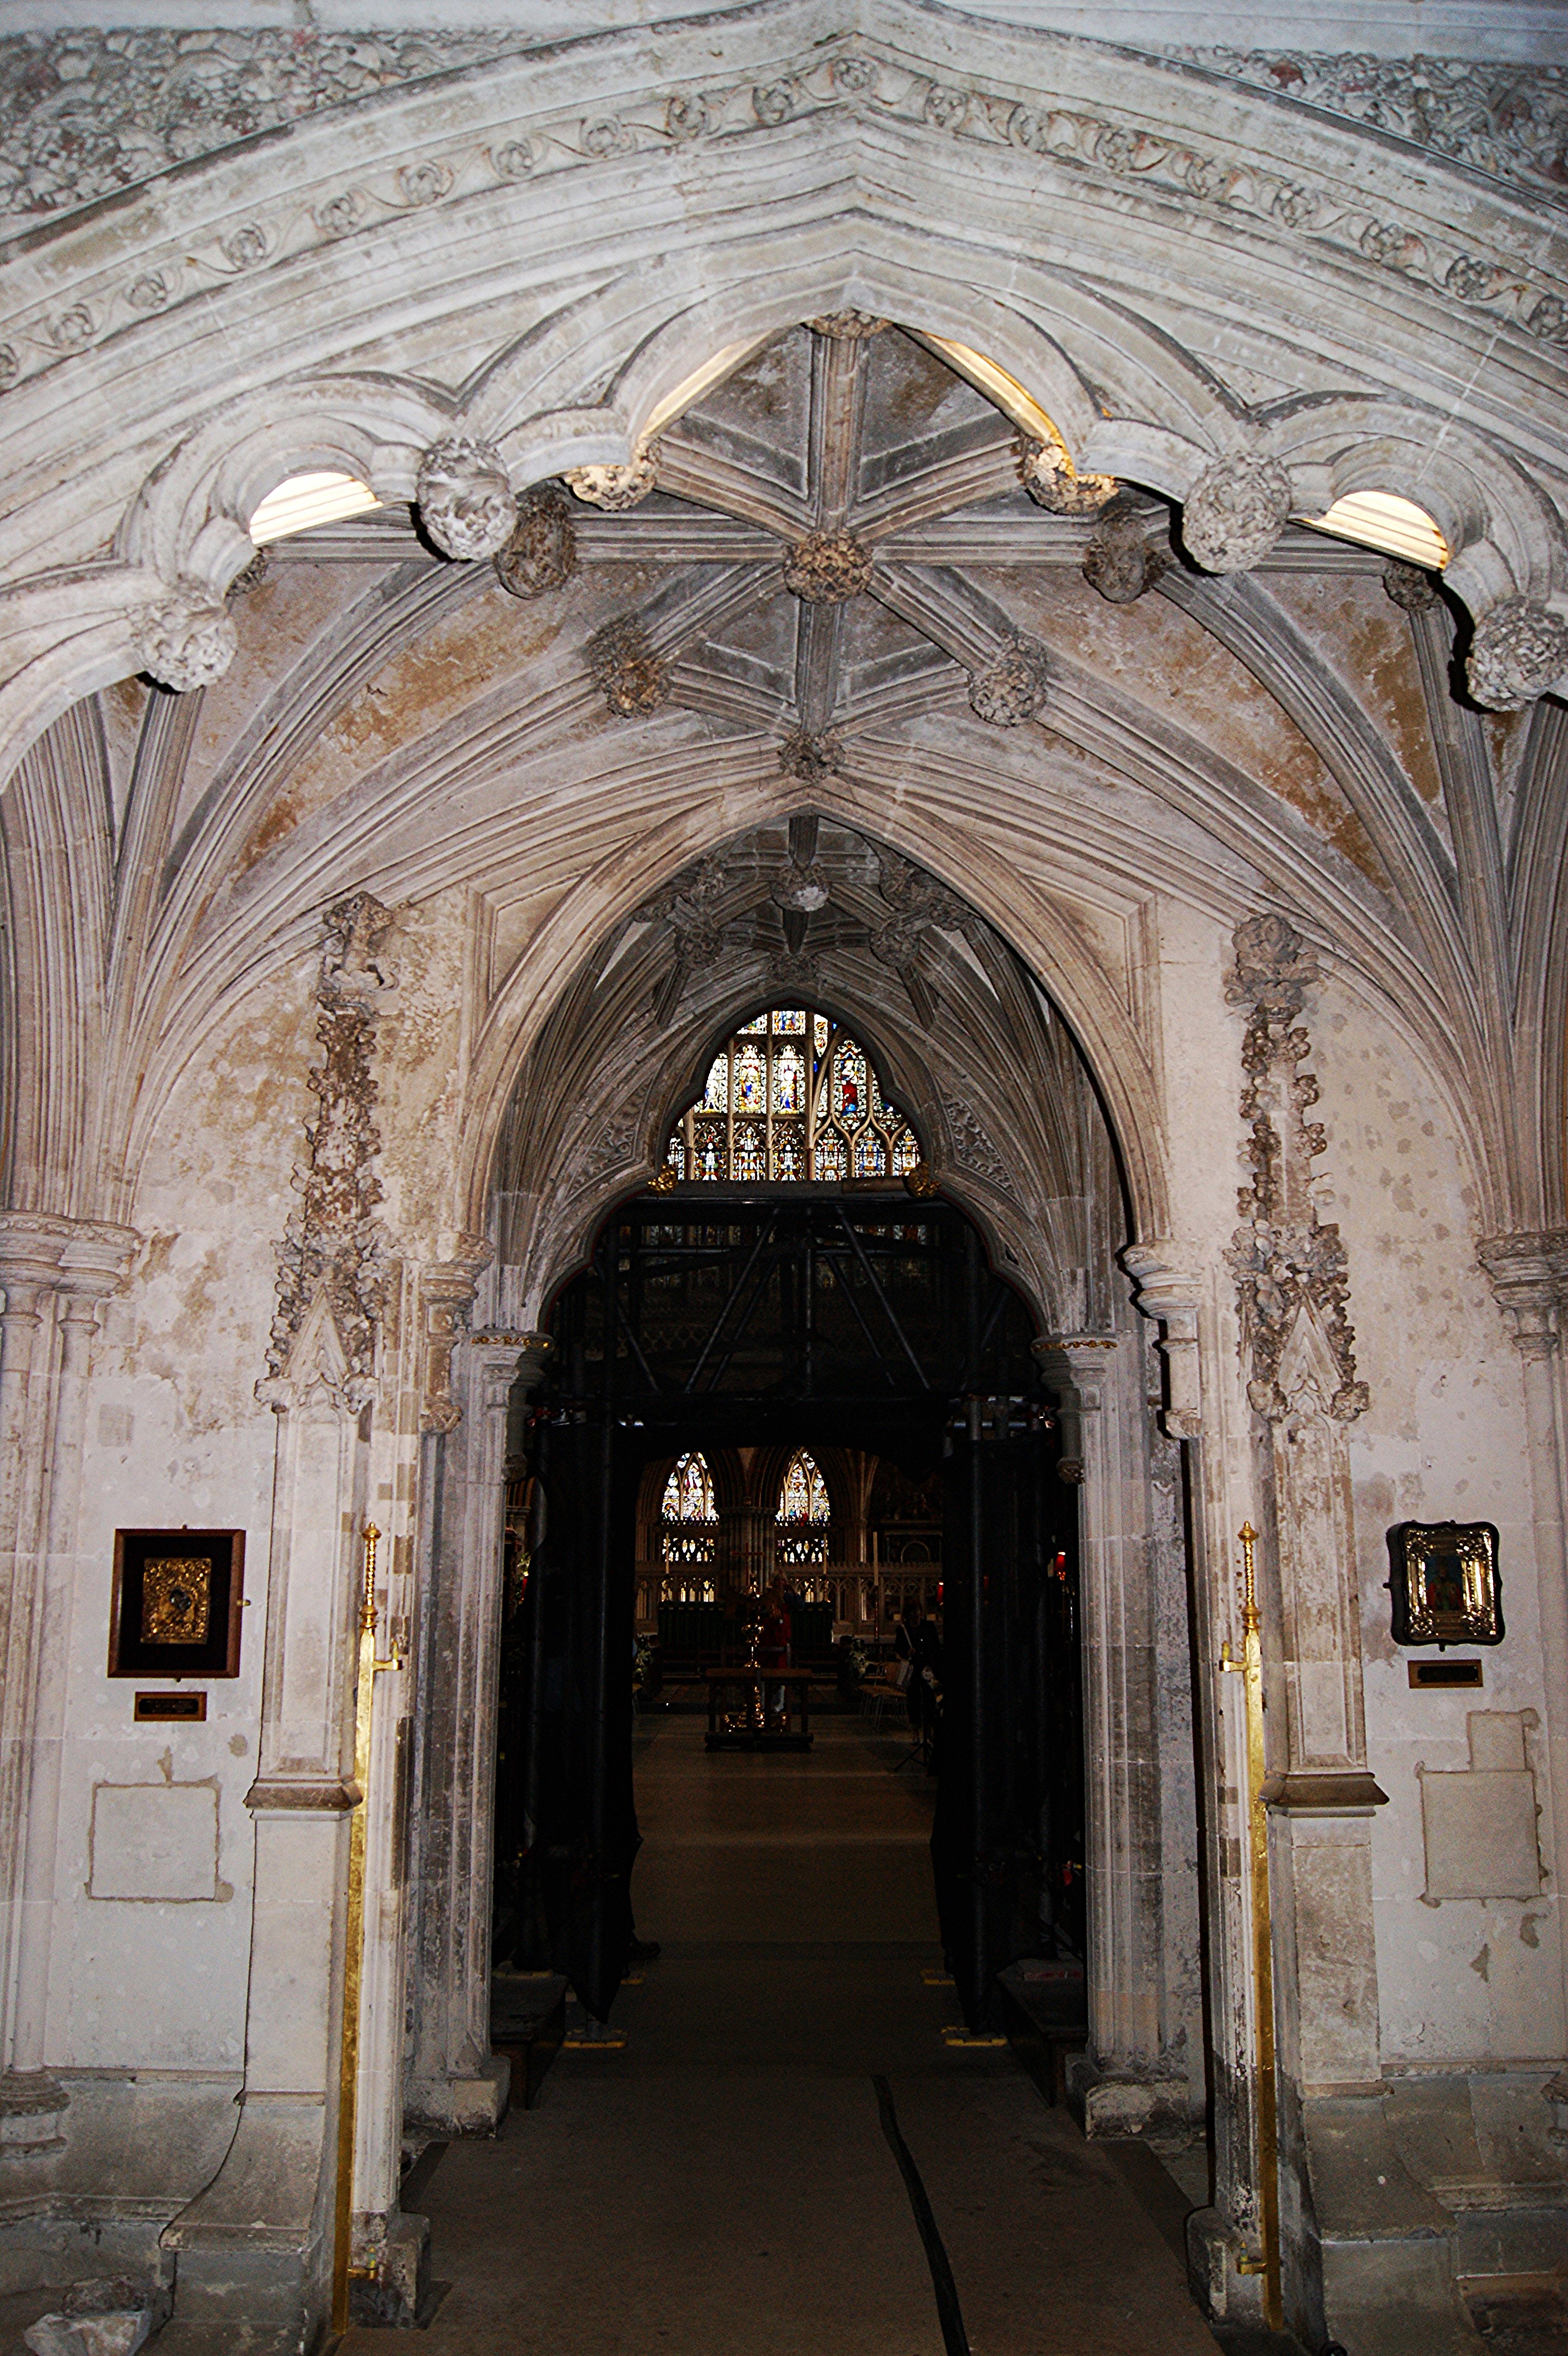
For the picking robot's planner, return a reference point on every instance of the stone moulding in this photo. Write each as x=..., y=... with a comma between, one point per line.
x=91, y=116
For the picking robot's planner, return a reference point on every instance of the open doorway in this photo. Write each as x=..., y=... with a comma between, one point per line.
x=790, y=1369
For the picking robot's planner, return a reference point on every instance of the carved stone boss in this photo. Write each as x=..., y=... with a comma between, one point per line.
x=1299, y=1352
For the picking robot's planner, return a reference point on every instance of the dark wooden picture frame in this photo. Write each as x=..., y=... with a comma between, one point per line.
x=177, y=1603
x=1445, y=1583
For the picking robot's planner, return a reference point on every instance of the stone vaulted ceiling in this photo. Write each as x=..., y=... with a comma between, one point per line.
x=838, y=586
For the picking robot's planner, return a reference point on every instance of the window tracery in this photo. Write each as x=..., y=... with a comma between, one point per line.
x=689, y=1531
x=792, y=1096
x=804, y=1512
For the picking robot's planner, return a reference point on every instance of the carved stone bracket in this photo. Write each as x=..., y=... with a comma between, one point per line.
x=334, y=1250
x=1288, y=1264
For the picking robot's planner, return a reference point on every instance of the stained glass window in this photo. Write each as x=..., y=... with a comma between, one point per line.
x=804, y=1512
x=791, y=1096
x=689, y=1525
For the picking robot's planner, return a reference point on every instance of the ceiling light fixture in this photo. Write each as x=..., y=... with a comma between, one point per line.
x=305, y=501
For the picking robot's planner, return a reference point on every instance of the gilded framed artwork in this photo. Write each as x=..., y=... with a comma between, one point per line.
x=177, y=1598
x=1445, y=1584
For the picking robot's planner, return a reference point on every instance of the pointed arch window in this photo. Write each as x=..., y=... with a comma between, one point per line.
x=792, y=1096
x=689, y=1521
x=804, y=1512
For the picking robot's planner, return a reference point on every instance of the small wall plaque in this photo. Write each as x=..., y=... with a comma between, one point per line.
x=162, y=1708
x=1424, y=1674
x=1445, y=1584
x=177, y=1598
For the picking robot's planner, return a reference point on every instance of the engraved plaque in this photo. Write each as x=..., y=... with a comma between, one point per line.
x=177, y=1600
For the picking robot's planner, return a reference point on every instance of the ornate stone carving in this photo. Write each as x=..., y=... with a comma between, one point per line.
x=972, y=1148
x=913, y=892
x=1508, y=120
x=847, y=327
x=1012, y=687
x=1287, y=1263
x=445, y=1295
x=1235, y=513
x=466, y=500
x=334, y=1248
x=1410, y=586
x=826, y=567
x=1519, y=651
x=1122, y=561
x=1530, y=1277
x=541, y=554
x=809, y=757
x=185, y=641
x=617, y=488
x=1052, y=481
x=633, y=679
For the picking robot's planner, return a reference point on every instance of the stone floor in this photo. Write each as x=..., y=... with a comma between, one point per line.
x=724, y=2187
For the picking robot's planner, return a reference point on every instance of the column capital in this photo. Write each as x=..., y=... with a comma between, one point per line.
x=534, y=1352
x=446, y=1288
x=41, y=1251
x=1528, y=1273
x=1170, y=1290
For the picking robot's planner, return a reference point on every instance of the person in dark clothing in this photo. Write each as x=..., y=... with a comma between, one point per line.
x=916, y=1642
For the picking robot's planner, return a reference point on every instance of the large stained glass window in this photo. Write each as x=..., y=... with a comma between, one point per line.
x=803, y=1514
x=791, y=1096
x=688, y=1527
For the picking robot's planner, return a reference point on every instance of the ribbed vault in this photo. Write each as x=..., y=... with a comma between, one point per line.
x=978, y=1059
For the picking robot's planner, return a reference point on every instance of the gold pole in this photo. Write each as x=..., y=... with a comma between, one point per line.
x=1249, y=1668
x=354, y=1932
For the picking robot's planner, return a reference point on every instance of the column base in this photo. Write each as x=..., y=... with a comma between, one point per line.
x=1110, y=2109
x=389, y=2281
x=470, y=2105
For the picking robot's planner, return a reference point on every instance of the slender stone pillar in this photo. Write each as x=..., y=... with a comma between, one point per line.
x=455, y=2084
x=1529, y=1275
x=1098, y=1381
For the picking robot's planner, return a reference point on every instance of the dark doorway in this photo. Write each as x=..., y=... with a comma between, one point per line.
x=801, y=1316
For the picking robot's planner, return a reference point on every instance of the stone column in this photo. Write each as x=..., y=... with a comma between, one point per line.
x=455, y=2084
x=255, y=2245
x=1530, y=1277
x=1098, y=1383
x=1171, y=1292
x=92, y=1267
x=53, y=1271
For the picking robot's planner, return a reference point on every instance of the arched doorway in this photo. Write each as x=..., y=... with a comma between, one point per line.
x=719, y=1315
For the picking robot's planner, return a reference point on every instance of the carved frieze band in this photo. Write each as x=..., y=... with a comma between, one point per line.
x=85, y=115
x=334, y=1249
x=1287, y=1262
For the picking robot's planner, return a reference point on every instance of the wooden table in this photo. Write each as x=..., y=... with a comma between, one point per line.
x=746, y=1681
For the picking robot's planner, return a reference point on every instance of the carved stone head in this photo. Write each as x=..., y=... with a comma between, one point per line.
x=466, y=500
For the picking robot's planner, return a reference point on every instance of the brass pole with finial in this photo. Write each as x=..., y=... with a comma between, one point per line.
x=354, y=1931
x=1249, y=1668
